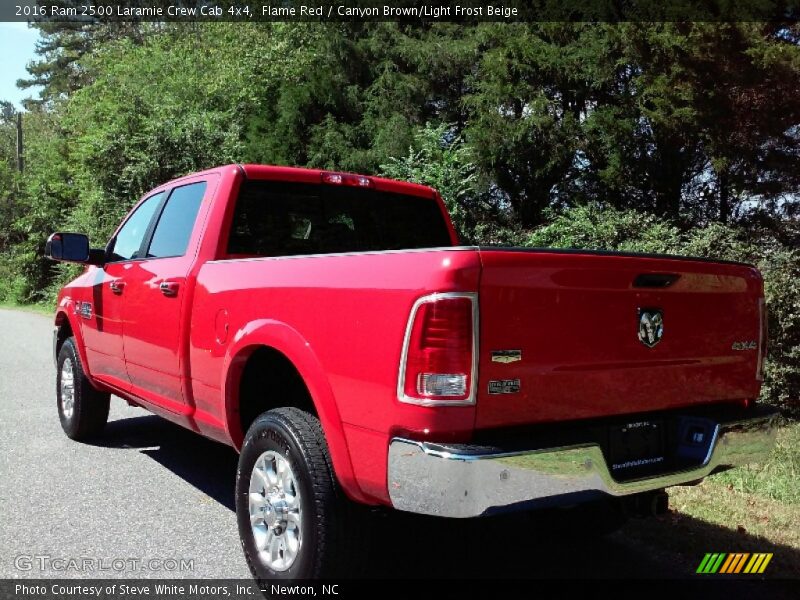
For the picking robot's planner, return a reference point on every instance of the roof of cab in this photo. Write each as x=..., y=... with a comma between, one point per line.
x=301, y=175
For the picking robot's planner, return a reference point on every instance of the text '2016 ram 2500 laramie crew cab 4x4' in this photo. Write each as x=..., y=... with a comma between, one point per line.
x=330, y=328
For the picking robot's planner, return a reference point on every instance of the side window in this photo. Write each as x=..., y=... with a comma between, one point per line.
x=176, y=222
x=130, y=237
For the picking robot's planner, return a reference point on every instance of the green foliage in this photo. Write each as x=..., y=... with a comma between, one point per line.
x=443, y=162
x=593, y=228
x=777, y=477
x=158, y=110
x=782, y=379
x=62, y=44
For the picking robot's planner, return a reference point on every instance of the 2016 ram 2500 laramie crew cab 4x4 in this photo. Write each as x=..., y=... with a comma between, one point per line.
x=330, y=328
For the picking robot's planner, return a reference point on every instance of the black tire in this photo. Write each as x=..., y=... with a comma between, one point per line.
x=89, y=412
x=332, y=540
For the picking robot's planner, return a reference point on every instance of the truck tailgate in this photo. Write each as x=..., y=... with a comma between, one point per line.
x=559, y=334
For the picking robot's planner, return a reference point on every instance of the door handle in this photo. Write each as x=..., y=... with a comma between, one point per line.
x=116, y=286
x=169, y=288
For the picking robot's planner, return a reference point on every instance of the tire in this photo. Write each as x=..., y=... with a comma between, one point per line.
x=313, y=531
x=82, y=410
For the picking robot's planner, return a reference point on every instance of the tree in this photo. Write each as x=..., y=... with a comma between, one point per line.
x=444, y=162
x=63, y=44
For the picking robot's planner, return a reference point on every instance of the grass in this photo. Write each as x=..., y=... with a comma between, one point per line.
x=748, y=509
x=32, y=308
x=777, y=478
x=760, y=499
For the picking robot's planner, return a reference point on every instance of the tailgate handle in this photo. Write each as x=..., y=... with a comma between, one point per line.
x=655, y=280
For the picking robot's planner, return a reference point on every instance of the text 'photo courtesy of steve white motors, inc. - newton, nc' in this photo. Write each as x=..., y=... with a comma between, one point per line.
x=263, y=11
x=165, y=588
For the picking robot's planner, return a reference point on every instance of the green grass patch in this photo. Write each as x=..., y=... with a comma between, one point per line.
x=32, y=308
x=777, y=478
x=748, y=509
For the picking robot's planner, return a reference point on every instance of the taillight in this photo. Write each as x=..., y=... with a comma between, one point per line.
x=763, y=338
x=346, y=179
x=438, y=364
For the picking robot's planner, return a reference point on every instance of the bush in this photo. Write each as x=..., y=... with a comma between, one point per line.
x=594, y=228
x=442, y=160
x=13, y=287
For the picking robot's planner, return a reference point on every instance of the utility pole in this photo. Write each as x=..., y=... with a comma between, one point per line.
x=20, y=149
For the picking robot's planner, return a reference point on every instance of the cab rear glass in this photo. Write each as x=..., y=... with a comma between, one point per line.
x=290, y=219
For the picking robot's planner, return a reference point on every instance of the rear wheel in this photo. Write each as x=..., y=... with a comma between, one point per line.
x=82, y=410
x=294, y=520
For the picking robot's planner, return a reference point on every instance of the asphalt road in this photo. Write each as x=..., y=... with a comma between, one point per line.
x=151, y=491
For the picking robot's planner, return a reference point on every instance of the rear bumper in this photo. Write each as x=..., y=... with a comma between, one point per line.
x=441, y=480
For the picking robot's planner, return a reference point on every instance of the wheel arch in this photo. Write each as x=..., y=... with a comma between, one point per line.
x=67, y=325
x=278, y=337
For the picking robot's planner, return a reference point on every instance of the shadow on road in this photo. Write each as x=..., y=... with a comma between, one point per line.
x=512, y=546
x=207, y=465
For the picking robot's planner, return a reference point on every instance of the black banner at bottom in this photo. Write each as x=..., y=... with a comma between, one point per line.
x=241, y=589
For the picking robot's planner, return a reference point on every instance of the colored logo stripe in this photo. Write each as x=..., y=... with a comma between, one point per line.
x=711, y=563
x=732, y=558
x=736, y=562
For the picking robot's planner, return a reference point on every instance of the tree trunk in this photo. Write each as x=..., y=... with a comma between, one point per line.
x=724, y=197
x=20, y=148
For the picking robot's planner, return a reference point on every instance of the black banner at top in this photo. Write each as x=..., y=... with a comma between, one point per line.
x=411, y=11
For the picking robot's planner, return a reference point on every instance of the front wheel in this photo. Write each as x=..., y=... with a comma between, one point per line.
x=294, y=521
x=82, y=410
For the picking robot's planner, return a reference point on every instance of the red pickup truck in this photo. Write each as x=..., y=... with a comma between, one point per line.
x=330, y=327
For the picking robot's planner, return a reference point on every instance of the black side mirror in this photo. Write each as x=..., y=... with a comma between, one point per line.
x=72, y=247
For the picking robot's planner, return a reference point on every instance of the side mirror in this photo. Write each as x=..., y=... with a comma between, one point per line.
x=71, y=247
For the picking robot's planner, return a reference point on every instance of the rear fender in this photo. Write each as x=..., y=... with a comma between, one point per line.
x=285, y=339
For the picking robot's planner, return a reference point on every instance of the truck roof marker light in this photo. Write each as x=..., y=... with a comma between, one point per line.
x=332, y=178
x=438, y=365
x=346, y=179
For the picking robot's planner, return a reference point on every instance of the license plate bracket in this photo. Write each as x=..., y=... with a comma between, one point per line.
x=636, y=448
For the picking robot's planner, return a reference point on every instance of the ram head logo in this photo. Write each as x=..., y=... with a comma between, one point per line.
x=651, y=326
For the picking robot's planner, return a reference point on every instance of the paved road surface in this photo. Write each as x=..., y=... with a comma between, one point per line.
x=150, y=490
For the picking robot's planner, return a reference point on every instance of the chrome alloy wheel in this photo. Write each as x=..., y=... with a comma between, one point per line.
x=275, y=513
x=67, y=384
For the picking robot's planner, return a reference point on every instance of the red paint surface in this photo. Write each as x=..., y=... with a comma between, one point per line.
x=341, y=320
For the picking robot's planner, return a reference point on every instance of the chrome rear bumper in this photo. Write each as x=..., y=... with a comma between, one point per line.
x=431, y=479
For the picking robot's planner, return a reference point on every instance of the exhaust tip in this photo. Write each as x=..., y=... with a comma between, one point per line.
x=659, y=504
